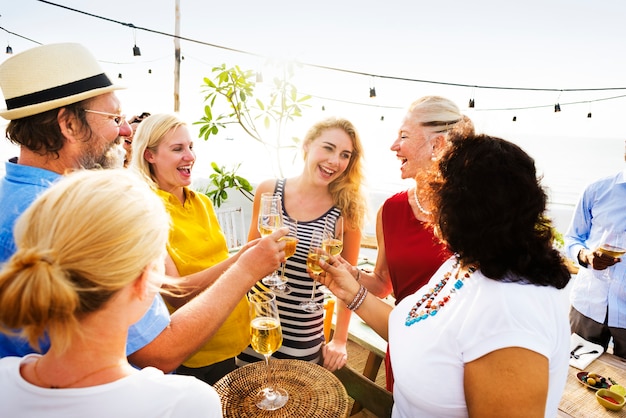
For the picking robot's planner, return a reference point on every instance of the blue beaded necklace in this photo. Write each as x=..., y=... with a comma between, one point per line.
x=430, y=307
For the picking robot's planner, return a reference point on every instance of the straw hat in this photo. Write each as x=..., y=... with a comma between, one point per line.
x=48, y=77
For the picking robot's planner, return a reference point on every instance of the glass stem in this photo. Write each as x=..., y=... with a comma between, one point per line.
x=270, y=382
x=313, y=291
x=282, y=274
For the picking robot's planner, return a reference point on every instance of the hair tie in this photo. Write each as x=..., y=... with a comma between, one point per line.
x=31, y=257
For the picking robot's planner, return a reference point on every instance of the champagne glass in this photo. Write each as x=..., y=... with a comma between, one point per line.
x=316, y=253
x=291, y=242
x=333, y=241
x=270, y=219
x=267, y=337
x=612, y=244
x=333, y=237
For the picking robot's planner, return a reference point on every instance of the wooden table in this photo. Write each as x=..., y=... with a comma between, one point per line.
x=579, y=401
x=361, y=333
x=313, y=391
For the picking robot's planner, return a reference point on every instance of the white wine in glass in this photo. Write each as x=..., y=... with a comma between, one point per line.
x=612, y=244
x=291, y=242
x=270, y=219
x=316, y=253
x=333, y=238
x=267, y=337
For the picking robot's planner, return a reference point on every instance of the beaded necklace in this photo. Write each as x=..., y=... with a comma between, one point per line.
x=431, y=308
x=419, y=206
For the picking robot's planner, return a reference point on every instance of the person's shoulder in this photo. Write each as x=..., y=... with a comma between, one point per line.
x=605, y=181
x=400, y=196
x=266, y=186
x=191, y=396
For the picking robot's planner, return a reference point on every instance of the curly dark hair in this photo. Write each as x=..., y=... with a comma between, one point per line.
x=41, y=133
x=489, y=207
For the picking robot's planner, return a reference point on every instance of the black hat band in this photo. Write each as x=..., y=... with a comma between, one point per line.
x=59, y=92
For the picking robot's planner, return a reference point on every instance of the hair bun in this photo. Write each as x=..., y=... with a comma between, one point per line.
x=30, y=257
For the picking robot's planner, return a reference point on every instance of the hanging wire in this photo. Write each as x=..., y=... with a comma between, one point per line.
x=354, y=72
x=327, y=67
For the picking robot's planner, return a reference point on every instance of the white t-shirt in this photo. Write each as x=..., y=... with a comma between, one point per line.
x=485, y=315
x=147, y=393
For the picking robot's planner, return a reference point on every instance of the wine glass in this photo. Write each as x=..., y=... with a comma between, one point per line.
x=316, y=253
x=270, y=219
x=333, y=242
x=291, y=242
x=267, y=337
x=333, y=237
x=612, y=244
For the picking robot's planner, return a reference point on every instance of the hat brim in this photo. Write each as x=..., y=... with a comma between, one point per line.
x=35, y=109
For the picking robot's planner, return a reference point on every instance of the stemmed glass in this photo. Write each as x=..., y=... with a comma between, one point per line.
x=333, y=242
x=612, y=244
x=291, y=242
x=270, y=219
x=316, y=253
x=267, y=337
x=333, y=238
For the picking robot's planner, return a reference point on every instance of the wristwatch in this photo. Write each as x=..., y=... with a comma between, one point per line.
x=583, y=264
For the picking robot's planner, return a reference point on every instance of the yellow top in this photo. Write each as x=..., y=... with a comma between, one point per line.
x=197, y=242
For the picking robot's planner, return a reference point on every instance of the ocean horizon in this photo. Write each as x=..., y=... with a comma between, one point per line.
x=566, y=165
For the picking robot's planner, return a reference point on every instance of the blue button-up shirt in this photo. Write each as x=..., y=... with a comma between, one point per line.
x=601, y=207
x=18, y=189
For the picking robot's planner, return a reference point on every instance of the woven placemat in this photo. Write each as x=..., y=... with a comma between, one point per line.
x=313, y=391
x=579, y=400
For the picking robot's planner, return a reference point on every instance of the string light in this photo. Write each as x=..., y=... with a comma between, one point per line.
x=471, y=103
x=557, y=108
x=259, y=77
x=514, y=118
x=372, y=89
x=9, y=49
x=137, y=52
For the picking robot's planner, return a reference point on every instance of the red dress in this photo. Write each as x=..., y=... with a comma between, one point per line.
x=413, y=253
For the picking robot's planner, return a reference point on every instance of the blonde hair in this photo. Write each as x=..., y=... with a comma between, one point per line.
x=437, y=112
x=149, y=136
x=79, y=243
x=346, y=189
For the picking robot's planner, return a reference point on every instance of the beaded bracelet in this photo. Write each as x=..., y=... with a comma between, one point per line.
x=359, y=298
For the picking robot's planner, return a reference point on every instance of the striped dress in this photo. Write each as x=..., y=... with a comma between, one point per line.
x=303, y=332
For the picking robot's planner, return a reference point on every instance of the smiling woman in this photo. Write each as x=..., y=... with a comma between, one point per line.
x=165, y=157
x=329, y=187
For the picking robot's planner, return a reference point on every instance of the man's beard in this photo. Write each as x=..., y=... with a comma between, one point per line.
x=112, y=157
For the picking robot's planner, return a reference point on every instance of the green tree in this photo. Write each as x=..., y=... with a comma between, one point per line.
x=235, y=87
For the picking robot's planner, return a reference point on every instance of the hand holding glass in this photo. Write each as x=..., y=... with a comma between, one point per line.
x=267, y=337
x=270, y=219
x=612, y=245
x=291, y=242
